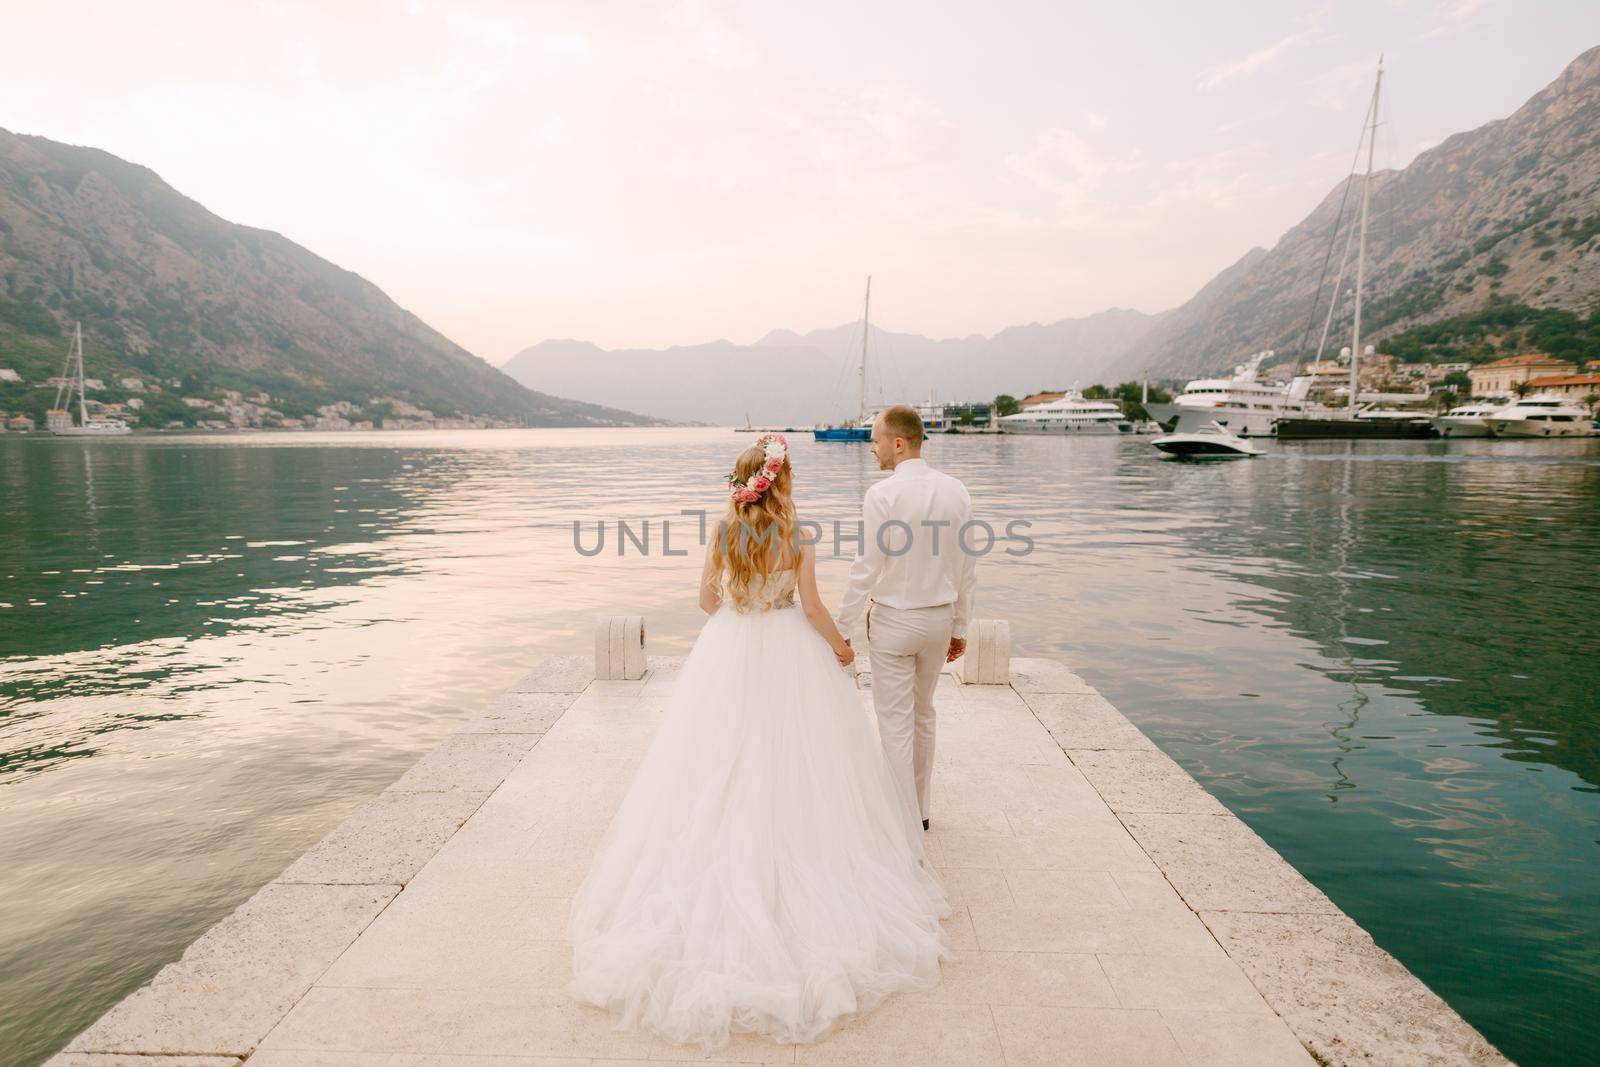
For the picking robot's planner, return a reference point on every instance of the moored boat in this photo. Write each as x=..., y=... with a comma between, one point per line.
x=859, y=428
x=1369, y=425
x=1211, y=442
x=1071, y=414
x=1541, y=415
x=59, y=418
x=1241, y=402
x=1353, y=421
x=1466, y=420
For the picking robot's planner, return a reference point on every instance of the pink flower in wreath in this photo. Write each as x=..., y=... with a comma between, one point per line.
x=774, y=464
x=761, y=484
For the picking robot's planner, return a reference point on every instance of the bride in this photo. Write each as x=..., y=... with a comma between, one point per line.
x=762, y=873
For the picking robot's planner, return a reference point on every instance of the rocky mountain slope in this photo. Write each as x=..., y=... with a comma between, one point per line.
x=165, y=290
x=1508, y=212
x=793, y=379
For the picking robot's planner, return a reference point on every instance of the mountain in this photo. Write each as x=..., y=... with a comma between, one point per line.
x=168, y=291
x=797, y=379
x=1507, y=213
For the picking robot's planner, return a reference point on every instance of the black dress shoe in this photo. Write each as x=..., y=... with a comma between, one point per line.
x=924, y=824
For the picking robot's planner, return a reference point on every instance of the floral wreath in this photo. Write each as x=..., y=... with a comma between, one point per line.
x=777, y=450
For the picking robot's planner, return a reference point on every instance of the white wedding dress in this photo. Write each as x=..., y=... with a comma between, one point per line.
x=763, y=873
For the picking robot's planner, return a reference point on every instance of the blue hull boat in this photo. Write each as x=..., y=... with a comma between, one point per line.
x=843, y=433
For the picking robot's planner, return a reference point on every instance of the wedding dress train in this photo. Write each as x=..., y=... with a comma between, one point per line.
x=763, y=872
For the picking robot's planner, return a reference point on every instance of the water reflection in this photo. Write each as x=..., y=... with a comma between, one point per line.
x=1445, y=604
x=213, y=648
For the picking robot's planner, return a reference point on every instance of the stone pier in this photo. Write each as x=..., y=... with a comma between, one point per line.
x=1108, y=910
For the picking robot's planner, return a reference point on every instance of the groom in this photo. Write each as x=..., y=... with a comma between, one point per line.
x=921, y=582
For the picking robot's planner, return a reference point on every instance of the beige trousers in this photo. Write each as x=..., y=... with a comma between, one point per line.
x=908, y=647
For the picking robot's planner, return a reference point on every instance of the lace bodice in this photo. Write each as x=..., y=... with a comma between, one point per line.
x=775, y=589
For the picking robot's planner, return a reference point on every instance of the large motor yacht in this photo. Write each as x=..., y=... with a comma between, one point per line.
x=1070, y=414
x=1541, y=415
x=1243, y=404
x=1467, y=420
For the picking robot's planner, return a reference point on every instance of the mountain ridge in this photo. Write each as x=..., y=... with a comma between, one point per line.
x=689, y=381
x=167, y=290
x=1506, y=212
x=1503, y=214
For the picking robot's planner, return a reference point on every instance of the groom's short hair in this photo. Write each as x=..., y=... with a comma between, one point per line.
x=902, y=420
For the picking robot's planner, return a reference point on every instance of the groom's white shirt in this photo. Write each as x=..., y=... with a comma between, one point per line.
x=934, y=569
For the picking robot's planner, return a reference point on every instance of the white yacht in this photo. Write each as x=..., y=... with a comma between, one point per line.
x=1541, y=415
x=1243, y=404
x=1071, y=414
x=59, y=418
x=1466, y=420
x=1212, y=442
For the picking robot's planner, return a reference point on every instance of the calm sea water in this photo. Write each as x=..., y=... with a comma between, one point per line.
x=1383, y=656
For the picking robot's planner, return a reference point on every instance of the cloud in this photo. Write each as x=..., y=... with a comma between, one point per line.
x=1243, y=121
x=1261, y=58
x=1070, y=169
x=1215, y=181
x=1340, y=86
x=567, y=44
x=508, y=168
x=1455, y=16
x=714, y=39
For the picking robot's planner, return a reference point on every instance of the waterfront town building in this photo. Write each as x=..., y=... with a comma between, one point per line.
x=1577, y=386
x=1502, y=377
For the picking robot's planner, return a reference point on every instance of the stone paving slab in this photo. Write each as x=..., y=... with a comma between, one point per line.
x=1043, y=925
x=117, y=1059
x=556, y=674
x=387, y=841
x=520, y=713
x=241, y=976
x=1106, y=910
x=1143, y=780
x=1217, y=863
x=1046, y=676
x=1086, y=722
x=1344, y=995
x=473, y=762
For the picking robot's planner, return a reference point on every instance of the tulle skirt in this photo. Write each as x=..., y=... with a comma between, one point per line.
x=763, y=872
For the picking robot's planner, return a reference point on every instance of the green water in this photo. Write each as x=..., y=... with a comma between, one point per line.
x=1383, y=656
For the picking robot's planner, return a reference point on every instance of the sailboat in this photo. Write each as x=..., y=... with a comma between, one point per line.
x=1349, y=421
x=59, y=418
x=860, y=428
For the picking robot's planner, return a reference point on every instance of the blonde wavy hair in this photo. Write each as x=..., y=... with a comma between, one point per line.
x=753, y=537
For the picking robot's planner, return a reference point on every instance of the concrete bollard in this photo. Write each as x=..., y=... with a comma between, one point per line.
x=619, y=648
x=987, y=660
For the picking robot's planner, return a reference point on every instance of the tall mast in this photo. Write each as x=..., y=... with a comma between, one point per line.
x=83, y=405
x=866, y=318
x=1361, y=248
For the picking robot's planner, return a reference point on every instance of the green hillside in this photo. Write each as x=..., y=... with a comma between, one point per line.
x=169, y=292
x=1497, y=331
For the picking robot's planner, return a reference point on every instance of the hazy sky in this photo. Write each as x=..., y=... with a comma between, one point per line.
x=669, y=173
